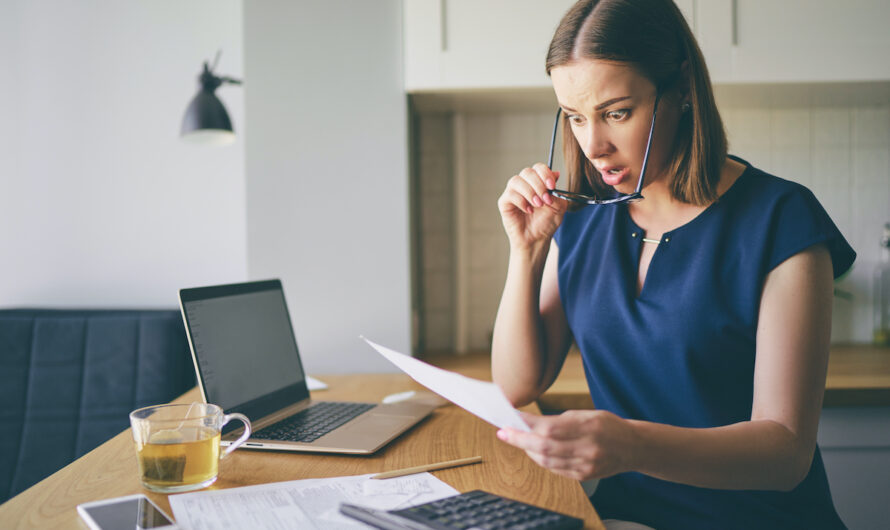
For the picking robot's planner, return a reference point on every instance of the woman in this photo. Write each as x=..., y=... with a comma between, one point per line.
x=702, y=311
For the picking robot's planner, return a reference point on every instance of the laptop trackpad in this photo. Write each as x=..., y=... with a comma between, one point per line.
x=367, y=429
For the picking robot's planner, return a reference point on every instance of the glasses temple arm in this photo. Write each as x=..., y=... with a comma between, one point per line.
x=648, y=145
x=553, y=138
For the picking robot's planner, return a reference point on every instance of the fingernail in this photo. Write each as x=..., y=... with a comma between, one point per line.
x=546, y=198
x=502, y=436
x=551, y=184
x=529, y=210
x=537, y=201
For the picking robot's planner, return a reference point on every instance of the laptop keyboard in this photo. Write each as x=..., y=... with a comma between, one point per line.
x=314, y=422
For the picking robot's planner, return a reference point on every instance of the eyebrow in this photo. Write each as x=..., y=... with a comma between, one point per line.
x=601, y=106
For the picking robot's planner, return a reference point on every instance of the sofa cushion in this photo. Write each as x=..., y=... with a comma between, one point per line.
x=69, y=378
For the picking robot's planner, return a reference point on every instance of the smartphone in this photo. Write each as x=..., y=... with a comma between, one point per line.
x=130, y=512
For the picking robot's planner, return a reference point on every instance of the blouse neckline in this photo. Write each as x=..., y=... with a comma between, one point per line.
x=704, y=213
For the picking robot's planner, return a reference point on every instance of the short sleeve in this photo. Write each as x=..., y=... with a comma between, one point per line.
x=799, y=222
x=567, y=231
x=557, y=237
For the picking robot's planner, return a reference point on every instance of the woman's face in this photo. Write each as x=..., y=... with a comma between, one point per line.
x=609, y=108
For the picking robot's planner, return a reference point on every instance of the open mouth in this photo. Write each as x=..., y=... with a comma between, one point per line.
x=614, y=176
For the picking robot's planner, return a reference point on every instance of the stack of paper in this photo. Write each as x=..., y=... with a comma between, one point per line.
x=312, y=503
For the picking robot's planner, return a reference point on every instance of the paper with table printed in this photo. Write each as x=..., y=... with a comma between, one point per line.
x=302, y=504
x=481, y=398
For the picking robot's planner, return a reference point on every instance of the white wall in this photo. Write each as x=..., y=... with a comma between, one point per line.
x=327, y=182
x=101, y=204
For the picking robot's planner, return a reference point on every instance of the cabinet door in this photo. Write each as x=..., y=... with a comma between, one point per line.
x=479, y=44
x=774, y=41
x=422, y=44
x=713, y=30
x=855, y=444
x=807, y=40
x=466, y=44
x=463, y=44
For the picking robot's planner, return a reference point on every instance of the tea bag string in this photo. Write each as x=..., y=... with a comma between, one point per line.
x=187, y=414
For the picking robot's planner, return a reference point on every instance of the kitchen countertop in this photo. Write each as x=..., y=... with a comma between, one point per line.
x=858, y=375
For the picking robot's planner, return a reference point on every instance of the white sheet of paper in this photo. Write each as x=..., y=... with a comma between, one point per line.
x=312, y=503
x=481, y=398
x=315, y=384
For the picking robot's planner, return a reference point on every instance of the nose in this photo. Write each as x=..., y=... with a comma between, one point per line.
x=594, y=141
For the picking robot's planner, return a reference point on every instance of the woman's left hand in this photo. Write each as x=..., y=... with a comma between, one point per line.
x=578, y=444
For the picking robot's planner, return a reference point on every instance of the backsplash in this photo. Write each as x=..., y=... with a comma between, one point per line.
x=842, y=153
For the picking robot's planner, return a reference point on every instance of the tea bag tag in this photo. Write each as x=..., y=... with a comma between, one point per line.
x=166, y=436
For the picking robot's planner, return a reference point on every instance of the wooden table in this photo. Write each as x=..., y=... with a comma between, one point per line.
x=110, y=470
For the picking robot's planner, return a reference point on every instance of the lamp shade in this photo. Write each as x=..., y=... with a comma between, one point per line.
x=206, y=120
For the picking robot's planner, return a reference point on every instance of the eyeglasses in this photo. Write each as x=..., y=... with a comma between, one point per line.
x=620, y=198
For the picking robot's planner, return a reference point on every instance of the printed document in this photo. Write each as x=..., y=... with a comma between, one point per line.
x=481, y=398
x=299, y=504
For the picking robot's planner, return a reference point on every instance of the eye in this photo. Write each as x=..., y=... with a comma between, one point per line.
x=575, y=119
x=617, y=115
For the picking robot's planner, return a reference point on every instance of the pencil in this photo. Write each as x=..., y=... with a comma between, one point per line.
x=428, y=467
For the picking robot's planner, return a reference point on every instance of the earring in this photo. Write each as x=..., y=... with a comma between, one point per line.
x=685, y=107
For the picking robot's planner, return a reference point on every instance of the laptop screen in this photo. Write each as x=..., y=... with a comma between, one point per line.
x=244, y=345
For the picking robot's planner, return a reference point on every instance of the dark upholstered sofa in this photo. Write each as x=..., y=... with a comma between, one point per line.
x=69, y=378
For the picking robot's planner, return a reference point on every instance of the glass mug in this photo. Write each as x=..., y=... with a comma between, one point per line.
x=178, y=445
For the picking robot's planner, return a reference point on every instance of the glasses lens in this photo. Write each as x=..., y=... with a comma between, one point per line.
x=587, y=199
x=570, y=196
x=574, y=197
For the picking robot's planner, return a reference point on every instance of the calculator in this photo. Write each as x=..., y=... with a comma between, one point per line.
x=472, y=510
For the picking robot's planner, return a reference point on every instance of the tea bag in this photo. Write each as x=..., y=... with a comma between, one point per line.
x=166, y=436
x=170, y=467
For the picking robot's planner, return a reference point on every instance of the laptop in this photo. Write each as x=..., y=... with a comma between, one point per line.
x=247, y=361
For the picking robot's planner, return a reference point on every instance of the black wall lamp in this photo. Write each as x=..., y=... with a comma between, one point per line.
x=206, y=120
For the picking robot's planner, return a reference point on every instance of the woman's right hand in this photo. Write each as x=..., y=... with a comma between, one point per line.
x=529, y=213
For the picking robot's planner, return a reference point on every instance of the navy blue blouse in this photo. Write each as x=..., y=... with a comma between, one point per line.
x=682, y=352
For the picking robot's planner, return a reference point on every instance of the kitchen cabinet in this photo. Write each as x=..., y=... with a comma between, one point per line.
x=489, y=44
x=454, y=45
x=770, y=41
x=855, y=445
x=468, y=44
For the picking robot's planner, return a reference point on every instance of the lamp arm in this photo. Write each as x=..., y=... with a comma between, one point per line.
x=215, y=79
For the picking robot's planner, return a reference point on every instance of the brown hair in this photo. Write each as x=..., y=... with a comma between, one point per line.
x=653, y=37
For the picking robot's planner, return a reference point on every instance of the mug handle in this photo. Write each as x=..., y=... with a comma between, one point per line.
x=244, y=436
